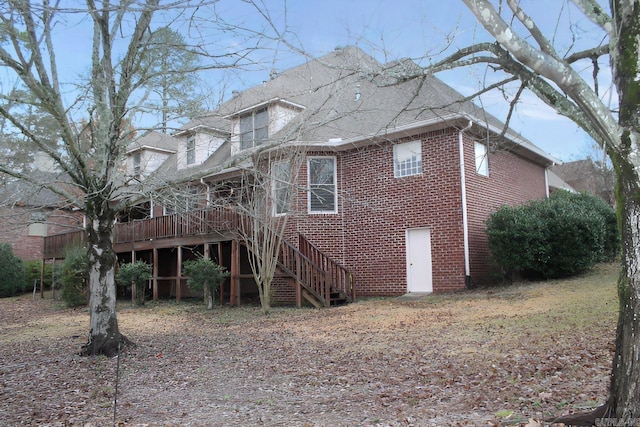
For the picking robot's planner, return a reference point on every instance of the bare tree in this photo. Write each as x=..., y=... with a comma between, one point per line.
x=524, y=53
x=266, y=202
x=91, y=114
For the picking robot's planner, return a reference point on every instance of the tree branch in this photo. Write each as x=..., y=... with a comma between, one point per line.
x=557, y=71
x=588, y=53
x=596, y=14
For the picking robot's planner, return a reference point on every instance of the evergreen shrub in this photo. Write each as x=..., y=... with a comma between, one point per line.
x=556, y=237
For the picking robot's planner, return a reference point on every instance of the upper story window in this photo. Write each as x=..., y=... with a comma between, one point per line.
x=407, y=159
x=137, y=168
x=281, y=187
x=482, y=159
x=254, y=129
x=191, y=149
x=322, y=185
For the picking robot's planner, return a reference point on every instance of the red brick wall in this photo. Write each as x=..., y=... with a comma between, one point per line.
x=512, y=180
x=14, y=228
x=368, y=233
x=375, y=209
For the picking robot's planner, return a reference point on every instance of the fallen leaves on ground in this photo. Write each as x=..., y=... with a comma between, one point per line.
x=511, y=356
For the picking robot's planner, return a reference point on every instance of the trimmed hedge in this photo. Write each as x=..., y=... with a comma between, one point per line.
x=556, y=237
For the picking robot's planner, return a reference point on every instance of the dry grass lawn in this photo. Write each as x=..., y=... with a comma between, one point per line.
x=496, y=357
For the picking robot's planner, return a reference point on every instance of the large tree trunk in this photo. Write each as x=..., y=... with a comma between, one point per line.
x=624, y=395
x=104, y=335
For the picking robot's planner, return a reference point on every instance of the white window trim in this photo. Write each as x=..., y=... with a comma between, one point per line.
x=335, y=186
x=252, y=115
x=136, y=158
x=277, y=185
x=396, y=148
x=481, y=159
x=190, y=151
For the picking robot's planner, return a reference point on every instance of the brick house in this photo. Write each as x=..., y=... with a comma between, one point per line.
x=398, y=179
x=28, y=214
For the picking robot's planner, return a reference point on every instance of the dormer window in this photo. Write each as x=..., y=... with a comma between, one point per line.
x=254, y=129
x=137, y=168
x=191, y=149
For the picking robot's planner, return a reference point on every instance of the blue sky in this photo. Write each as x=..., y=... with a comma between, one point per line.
x=426, y=31
x=423, y=30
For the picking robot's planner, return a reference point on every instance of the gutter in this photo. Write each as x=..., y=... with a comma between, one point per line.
x=465, y=219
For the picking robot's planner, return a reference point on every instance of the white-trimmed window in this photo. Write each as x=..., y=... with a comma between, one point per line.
x=281, y=187
x=407, y=159
x=322, y=182
x=191, y=149
x=482, y=159
x=137, y=166
x=254, y=129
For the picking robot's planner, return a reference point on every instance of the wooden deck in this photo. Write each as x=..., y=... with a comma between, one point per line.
x=317, y=278
x=193, y=227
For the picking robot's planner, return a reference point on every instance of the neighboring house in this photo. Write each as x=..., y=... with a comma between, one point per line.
x=28, y=214
x=585, y=175
x=399, y=178
x=557, y=183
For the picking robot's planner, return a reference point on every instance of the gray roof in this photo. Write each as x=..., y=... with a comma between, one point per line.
x=154, y=141
x=23, y=193
x=348, y=99
x=555, y=181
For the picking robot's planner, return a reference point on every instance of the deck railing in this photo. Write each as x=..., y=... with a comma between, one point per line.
x=306, y=273
x=338, y=276
x=54, y=246
x=315, y=271
x=192, y=223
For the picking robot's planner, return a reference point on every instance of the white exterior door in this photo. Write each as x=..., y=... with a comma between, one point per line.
x=419, y=260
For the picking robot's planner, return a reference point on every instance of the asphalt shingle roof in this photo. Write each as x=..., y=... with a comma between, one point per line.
x=347, y=97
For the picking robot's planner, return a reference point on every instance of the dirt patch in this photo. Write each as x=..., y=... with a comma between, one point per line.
x=475, y=358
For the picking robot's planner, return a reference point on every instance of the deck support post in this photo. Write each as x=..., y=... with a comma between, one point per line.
x=179, y=275
x=133, y=286
x=207, y=255
x=219, y=244
x=234, y=298
x=155, y=274
x=42, y=279
x=53, y=277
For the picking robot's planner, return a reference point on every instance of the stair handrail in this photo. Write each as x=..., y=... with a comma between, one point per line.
x=309, y=275
x=340, y=278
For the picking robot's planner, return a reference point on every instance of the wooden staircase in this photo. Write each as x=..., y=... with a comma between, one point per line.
x=318, y=279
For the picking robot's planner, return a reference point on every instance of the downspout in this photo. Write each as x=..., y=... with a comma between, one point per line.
x=465, y=220
x=208, y=191
x=546, y=181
